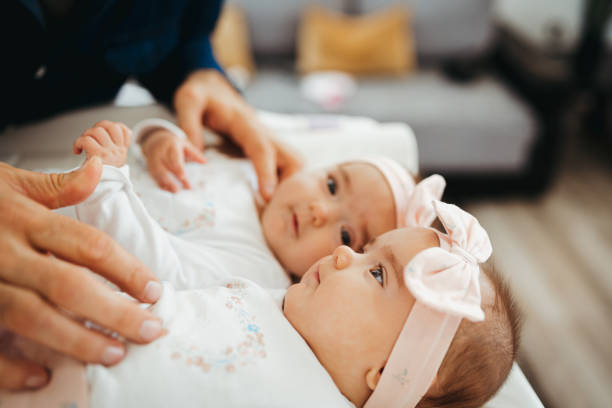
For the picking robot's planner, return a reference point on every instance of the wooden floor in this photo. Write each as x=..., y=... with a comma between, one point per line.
x=556, y=251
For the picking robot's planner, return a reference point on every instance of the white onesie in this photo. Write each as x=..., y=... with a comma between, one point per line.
x=205, y=227
x=229, y=344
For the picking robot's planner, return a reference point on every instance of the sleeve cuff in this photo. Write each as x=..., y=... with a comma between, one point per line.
x=112, y=173
x=146, y=126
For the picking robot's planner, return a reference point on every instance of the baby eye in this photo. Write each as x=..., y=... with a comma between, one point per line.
x=345, y=237
x=331, y=185
x=378, y=274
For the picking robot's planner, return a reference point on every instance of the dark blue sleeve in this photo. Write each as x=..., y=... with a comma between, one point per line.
x=193, y=52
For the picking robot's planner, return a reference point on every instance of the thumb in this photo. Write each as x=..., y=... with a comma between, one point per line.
x=62, y=189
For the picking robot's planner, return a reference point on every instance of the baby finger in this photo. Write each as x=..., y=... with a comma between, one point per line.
x=176, y=164
x=193, y=154
x=115, y=132
x=100, y=135
x=127, y=134
x=87, y=143
x=163, y=178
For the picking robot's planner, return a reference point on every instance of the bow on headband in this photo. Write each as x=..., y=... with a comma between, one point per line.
x=445, y=283
x=418, y=210
x=445, y=278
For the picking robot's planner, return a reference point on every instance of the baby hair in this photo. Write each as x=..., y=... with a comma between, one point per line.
x=481, y=354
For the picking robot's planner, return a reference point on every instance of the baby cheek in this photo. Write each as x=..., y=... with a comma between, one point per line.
x=318, y=244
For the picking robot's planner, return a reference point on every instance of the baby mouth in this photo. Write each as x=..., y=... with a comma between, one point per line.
x=296, y=225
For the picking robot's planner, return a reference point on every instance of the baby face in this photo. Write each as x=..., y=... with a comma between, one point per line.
x=350, y=307
x=313, y=212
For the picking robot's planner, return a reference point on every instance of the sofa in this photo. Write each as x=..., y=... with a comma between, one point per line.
x=470, y=125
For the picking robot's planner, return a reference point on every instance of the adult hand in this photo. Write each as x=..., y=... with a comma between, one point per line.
x=43, y=279
x=206, y=98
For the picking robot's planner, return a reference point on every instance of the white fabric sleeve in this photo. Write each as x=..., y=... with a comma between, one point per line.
x=146, y=126
x=115, y=209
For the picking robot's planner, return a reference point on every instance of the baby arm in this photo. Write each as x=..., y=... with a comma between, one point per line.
x=115, y=208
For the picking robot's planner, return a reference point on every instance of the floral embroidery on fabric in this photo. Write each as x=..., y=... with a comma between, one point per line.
x=248, y=350
x=178, y=213
x=205, y=218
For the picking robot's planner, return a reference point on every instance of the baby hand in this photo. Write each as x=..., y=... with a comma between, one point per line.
x=107, y=140
x=166, y=154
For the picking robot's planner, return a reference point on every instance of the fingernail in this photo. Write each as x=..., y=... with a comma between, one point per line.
x=150, y=330
x=35, y=381
x=269, y=189
x=112, y=355
x=152, y=291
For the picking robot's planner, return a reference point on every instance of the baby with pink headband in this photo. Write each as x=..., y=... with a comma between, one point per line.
x=435, y=332
x=317, y=209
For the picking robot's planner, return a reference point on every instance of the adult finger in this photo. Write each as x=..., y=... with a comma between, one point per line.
x=289, y=161
x=59, y=189
x=87, y=246
x=16, y=374
x=189, y=110
x=74, y=289
x=176, y=164
x=27, y=314
x=260, y=150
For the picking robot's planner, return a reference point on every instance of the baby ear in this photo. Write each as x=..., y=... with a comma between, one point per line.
x=373, y=376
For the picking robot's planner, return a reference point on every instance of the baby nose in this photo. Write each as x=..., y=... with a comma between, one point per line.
x=320, y=213
x=342, y=257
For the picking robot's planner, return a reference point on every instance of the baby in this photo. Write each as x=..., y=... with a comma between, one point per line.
x=310, y=214
x=409, y=322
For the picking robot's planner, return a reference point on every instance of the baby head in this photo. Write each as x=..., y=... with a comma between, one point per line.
x=372, y=317
x=317, y=210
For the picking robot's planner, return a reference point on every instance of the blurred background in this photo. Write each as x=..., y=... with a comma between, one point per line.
x=510, y=100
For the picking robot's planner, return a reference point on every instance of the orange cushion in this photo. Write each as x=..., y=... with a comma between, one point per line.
x=378, y=43
x=230, y=40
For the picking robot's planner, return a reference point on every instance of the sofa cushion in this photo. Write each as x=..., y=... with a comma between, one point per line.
x=468, y=127
x=444, y=28
x=273, y=23
x=230, y=40
x=334, y=41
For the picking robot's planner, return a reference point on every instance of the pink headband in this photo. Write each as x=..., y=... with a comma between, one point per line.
x=412, y=202
x=444, y=281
